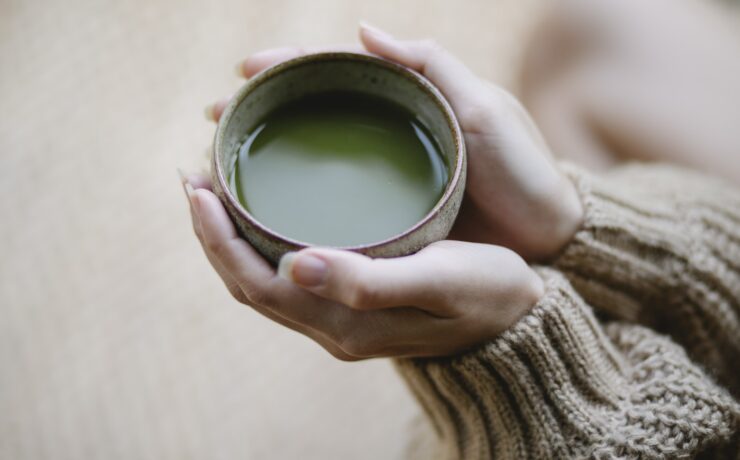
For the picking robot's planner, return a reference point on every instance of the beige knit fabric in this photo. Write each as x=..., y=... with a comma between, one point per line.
x=632, y=353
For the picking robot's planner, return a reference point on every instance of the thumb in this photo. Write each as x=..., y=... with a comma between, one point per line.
x=358, y=281
x=458, y=83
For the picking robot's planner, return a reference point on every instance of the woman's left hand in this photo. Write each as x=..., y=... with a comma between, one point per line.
x=446, y=298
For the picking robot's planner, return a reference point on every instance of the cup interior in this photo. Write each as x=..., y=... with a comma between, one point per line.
x=335, y=72
x=352, y=72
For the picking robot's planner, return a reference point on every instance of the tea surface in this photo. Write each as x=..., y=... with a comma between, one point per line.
x=339, y=169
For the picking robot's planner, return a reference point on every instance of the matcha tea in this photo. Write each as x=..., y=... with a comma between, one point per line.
x=339, y=169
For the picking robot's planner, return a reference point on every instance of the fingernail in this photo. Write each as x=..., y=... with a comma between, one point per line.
x=239, y=69
x=209, y=112
x=183, y=178
x=189, y=191
x=372, y=29
x=304, y=270
x=286, y=266
x=186, y=184
x=193, y=197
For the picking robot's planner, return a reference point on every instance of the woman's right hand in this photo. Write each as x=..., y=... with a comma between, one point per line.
x=515, y=195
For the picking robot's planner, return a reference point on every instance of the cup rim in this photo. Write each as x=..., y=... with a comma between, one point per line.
x=415, y=77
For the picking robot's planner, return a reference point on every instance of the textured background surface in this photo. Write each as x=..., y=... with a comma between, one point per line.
x=116, y=338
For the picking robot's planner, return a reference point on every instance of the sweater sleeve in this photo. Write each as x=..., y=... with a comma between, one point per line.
x=559, y=384
x=660, y=246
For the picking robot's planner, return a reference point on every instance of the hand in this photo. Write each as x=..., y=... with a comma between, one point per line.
x=446, y=298
x=515, y=195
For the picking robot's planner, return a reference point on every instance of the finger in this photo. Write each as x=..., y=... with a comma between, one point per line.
x=312, y=334
x=229, y=282
x=317, y=336
x=190, y=183
x=358, y=333
x=393, y=332
x=322, y=339
x=268, y=58
x=264, y=59
x=235, y=288
x=454, y=79
x=201, y=181
x=189, y=190
x=224, y=244
x=214, y=111
x=197, y=180
x=231, y=285
x=363, y=283
x=254, y=275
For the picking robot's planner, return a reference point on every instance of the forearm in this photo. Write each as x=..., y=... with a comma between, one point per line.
x=557, y=385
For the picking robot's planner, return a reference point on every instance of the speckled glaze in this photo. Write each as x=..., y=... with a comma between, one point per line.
x=340, y=71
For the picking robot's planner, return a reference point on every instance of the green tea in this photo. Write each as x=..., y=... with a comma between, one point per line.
x=339, y=169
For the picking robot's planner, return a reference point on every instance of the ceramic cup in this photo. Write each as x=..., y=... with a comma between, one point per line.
x=361, y=73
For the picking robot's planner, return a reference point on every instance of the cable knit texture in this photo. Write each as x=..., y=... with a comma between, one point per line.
x=661, y=247
x=631, y=353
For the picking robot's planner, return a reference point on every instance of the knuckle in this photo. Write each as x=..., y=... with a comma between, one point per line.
x=360, y=345
x=486, y=109
x=479, y=116
x=339, y=326
x=449, y=252
x=343, y=356
x=444, y=244
x=503, y=104
x=260, y=291
x=363, y=296
x=493, y=110
x=198, y=233
x=216, y=248
x=237, y=293
x=355, y=347
x=431, y=45
x=257, y=296
x=357, y=337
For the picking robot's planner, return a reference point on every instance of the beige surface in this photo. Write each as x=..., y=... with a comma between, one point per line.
x=116, y=338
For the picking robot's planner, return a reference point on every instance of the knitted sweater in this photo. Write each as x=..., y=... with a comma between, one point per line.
x=634, y=350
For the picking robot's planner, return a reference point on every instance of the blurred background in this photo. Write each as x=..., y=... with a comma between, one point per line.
x=117, y=340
